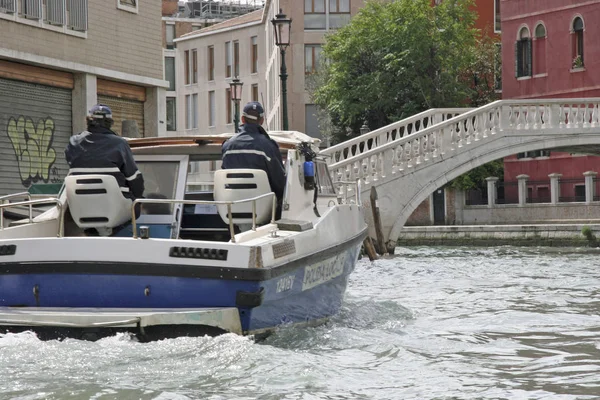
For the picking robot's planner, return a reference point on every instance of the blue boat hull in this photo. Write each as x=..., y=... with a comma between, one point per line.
x=304, y=291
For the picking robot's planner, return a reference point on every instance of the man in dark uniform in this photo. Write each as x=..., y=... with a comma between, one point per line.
x=99, y=150
x=253, y=148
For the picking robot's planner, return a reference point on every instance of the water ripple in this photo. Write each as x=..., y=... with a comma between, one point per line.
x=427, y=323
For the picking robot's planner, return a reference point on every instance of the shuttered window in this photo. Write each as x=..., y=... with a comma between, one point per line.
x=523, y=54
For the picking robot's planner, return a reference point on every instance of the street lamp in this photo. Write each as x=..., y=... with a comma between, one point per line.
x=236, y=95
x=282, y=26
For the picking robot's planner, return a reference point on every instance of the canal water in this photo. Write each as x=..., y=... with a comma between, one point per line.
x=427, y=323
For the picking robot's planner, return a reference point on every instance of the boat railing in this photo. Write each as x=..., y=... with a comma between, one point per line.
x=345, y=192
x=13, y=196
x=32, y=203
x=229, y=205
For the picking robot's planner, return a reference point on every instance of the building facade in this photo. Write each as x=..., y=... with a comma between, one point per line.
x=60, y=57
x=245, y=47
x=550, y=50
x=180, y=18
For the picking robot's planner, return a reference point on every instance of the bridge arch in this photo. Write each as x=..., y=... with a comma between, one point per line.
x=407, y=169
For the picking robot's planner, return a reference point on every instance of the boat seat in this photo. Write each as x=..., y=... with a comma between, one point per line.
x=96, y=201
x=240, y=184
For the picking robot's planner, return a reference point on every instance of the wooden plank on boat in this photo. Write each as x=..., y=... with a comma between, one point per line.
x=226, y=318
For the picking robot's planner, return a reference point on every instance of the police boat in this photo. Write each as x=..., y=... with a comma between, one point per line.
x=182, y=262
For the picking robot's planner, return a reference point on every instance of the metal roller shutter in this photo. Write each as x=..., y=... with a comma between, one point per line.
x=124, y=109
x=35, y=126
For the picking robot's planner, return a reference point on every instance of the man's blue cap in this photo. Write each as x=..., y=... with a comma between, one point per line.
x=253, y=111
x=101, y=111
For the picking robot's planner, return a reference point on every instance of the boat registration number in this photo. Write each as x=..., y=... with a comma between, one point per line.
x=322, y=272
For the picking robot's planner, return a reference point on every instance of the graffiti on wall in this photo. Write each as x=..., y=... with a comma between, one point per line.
x=32, y=144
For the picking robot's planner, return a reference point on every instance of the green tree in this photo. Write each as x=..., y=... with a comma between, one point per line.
x=395, y=59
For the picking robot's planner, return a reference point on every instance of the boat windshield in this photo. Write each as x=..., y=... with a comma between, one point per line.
x=160, y=182
x=324, y=182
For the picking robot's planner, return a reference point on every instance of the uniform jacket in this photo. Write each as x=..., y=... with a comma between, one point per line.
x=101, y=151
x=253, y=148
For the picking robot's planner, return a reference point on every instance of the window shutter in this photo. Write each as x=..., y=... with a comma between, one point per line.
x=517, y=59
x=529, y=58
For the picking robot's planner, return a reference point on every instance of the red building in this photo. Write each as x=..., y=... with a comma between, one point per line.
x=550, y=49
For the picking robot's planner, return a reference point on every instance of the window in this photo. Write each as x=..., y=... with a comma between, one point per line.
x=188, y=112
x=498, y=68
x=314, y=14
x=170, y=36
x=578, y=60
x=254, y=64
x=71, y=14
x=312, y=53
x=534, y=154
x=195, y=111
x=228, y=60
x=211, y=63
x=194, y=66
x=254, y=90
x=191, y=107
x=339, y=6
x=186, y=66
x=523, y=54
x=497, y=16
x=539, y=48
x=128, y=5
x=236, y=58
x=228, y=116
x=170, y=72
x=55, y=12
x=171, y=114
x=30, y=9
x=78, y=15
x=211, y=108
x=8, y=6
x=338, y=13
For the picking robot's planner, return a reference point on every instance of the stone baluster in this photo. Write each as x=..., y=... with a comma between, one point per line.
x=554, y=187
x=595, y=116
x=505, y=113
x=522, y=181
x=590, y=187
x=492, y=190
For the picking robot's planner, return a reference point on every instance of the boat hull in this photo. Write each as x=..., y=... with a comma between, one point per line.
x=300, y=291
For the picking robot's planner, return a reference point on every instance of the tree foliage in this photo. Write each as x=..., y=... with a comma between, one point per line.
x=395, y=59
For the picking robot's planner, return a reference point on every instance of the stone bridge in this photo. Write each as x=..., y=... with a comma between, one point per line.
x=408, y=160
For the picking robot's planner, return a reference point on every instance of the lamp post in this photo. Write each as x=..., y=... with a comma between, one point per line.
x=282, y=26
x=236, y=95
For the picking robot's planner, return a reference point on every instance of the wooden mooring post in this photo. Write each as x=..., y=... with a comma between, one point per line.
x=380, y=244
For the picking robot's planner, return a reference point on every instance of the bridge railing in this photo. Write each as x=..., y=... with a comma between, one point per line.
x=356, y=146
x=458, y=133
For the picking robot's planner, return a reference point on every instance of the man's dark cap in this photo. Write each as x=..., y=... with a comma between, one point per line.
x=253, y=111
x=100, y=111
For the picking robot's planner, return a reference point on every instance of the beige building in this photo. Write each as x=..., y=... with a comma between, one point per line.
x=209, y=58
x=60, y=57
x=180, y=18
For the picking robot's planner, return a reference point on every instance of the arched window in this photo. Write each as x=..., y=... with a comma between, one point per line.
x=578, y=43
x=539, y=49
x=523, y=53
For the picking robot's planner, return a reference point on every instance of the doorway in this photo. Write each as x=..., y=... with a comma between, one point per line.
x=439, y=207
